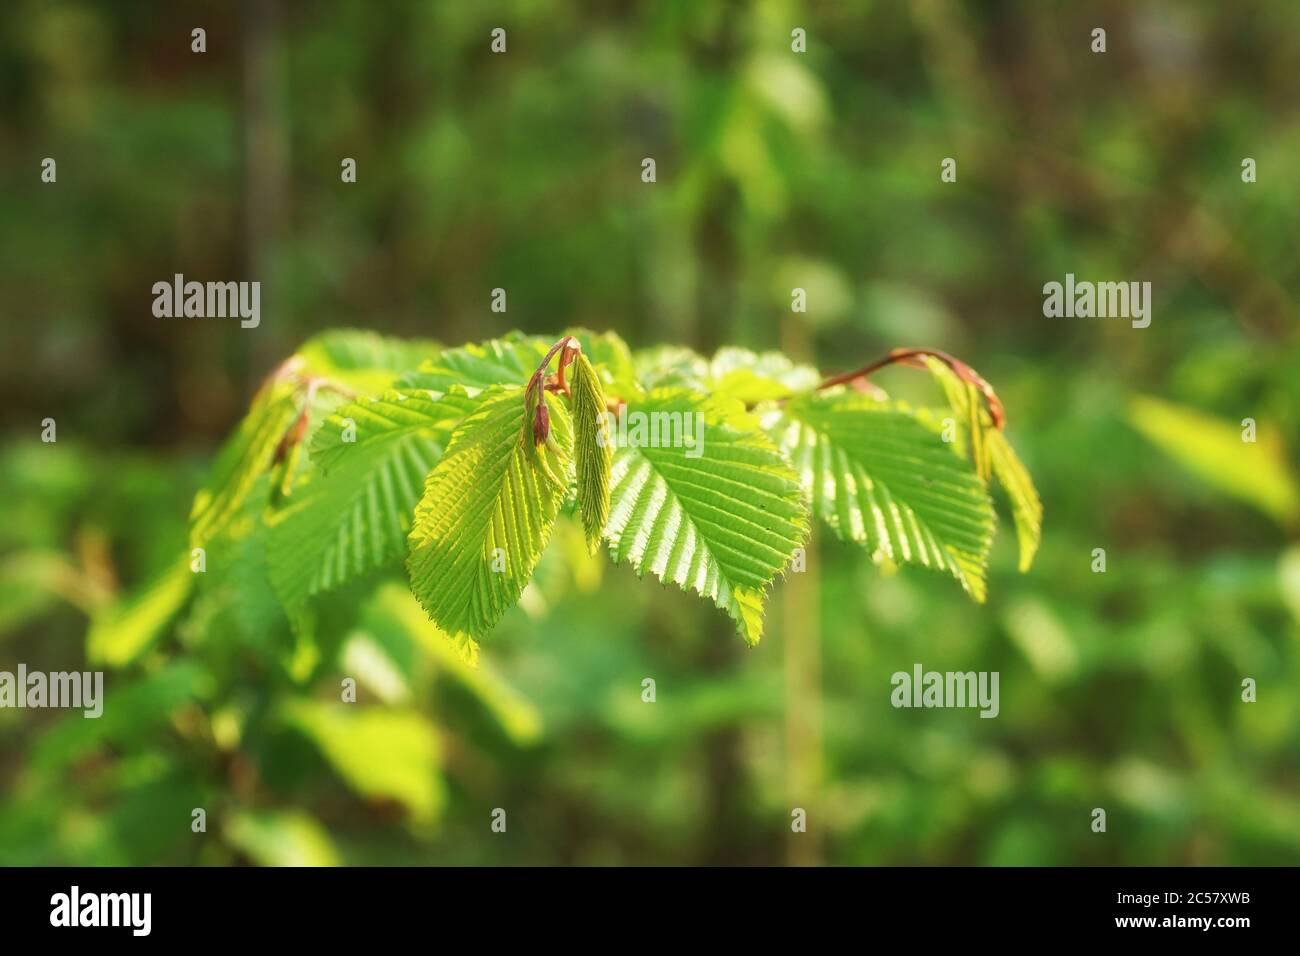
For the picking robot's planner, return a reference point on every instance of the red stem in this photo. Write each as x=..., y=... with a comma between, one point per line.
x=571, y=348
x=911, y=358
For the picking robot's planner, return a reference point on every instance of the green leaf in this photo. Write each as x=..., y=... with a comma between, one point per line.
x=751, y=377
x=965, y=400
x=1026, y=508
x=593, y=449
x=381, y=754
x=396, y=623
x=268, y=442
x=878, y=475
x=506, y=361
x=126, y=629
x=490, y=503
x=246, y=455
x=1254, y=472
x=363, y=361
x=281, y=838
x=668, y=365
x=356, y=518
x=990, y=451
x=722, y=519
x=612, y=360
x=235, y=602
x=371, y=425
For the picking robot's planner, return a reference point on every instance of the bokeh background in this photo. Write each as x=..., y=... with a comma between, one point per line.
x=1119, y=690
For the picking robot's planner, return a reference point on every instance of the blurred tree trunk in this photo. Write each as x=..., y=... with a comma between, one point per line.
x=265, y=142
x=729, y=824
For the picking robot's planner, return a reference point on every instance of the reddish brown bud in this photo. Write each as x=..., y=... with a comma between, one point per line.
x=292, y=437
x=541, y=422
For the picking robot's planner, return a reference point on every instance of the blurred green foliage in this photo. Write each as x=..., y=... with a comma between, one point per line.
x=775, y=170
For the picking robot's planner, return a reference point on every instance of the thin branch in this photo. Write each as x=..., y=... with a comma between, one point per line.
x=912, y=358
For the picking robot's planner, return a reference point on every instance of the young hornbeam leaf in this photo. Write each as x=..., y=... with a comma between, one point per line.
x=289, y=451
x=286, y=467
x=979, y=453
x=504, y=361
x=268, y=439
x=1026, y=508
x=754, y=378
x=879, y=476
x=973, y=399
x=593, y=449
x=362, y=361
x=487, y=512
x=992, y=454
x=612, y=360
x=374, y=455
x=249, y=453
x=711, y=506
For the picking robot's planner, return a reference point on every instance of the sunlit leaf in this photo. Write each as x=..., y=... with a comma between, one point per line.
x=510, y=360
x=356, y=517
x=721, y=516
x=487, y=512
x=281, y=838
x=593, y=449
x=1254, y=472
x=612, y=360
x=363, y=361
x=134, y=622
x=381, y=753
x=989, y=449
x=249, y=453
x=751, y=377
x=880, y=476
